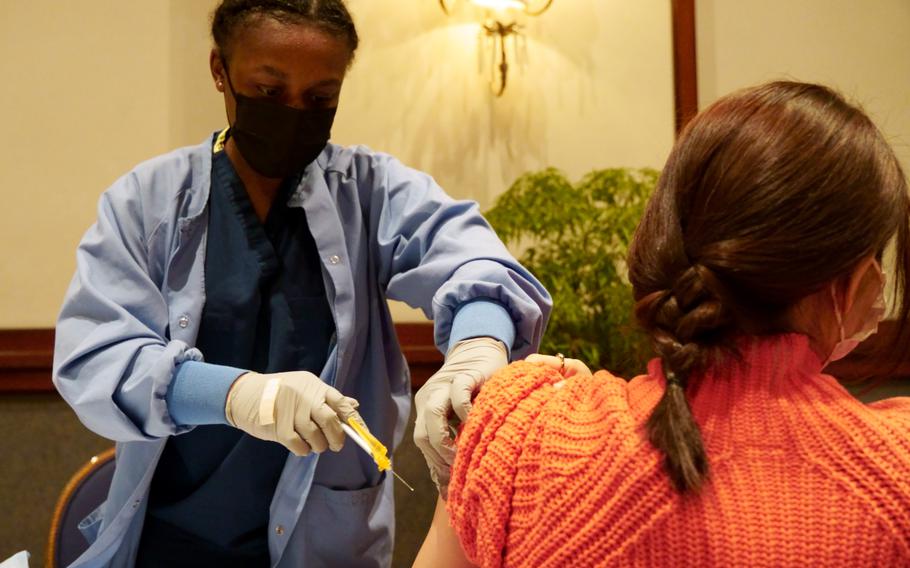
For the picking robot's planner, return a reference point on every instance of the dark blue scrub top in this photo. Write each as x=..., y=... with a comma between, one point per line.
x=266, y=310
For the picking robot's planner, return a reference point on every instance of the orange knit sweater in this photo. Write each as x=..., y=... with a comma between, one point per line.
x=801, y=472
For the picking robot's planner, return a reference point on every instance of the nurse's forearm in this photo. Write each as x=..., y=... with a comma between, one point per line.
x=198, y=392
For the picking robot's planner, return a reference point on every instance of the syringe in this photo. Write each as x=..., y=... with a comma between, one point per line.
x=358, y=432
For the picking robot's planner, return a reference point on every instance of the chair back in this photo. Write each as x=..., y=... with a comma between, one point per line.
x=84, y=492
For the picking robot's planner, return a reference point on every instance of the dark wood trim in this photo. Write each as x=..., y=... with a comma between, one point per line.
x=417, y=343
x=26, y=357
x=685, y=74
x=420, y=350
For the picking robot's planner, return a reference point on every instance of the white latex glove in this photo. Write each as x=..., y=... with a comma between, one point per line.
x=468, y=364
x=295, y=409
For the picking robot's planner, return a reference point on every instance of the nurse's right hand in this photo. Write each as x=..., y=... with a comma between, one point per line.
x=295, y=409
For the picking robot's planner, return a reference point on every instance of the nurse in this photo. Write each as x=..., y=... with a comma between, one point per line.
x=229, y=310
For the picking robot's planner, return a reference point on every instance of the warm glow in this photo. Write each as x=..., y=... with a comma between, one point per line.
x=501, y=4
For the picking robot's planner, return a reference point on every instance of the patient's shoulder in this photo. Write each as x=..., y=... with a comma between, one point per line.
x=525, y=393
x=532, y=436
x=894, y=412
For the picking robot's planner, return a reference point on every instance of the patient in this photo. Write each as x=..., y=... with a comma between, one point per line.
x=757, y=263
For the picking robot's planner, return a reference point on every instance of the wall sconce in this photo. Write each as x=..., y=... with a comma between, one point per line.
x=499, y=31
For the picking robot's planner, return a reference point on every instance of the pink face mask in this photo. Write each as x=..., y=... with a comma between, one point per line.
x=870, y=324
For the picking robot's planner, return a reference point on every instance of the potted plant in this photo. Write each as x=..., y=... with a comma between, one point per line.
x=575, y=238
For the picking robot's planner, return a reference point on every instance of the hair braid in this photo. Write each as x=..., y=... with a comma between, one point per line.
x=685, y=322
x=768, y=196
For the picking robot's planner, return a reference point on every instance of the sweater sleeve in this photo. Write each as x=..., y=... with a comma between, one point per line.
x=896, y=411
x=539, y=461
x=481, y=486
x=891, y=460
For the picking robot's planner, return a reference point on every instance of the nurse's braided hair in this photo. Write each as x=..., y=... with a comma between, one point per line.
x=329, y=15
x=768, y=196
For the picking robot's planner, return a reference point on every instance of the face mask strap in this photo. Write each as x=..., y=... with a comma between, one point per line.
x=877, y=310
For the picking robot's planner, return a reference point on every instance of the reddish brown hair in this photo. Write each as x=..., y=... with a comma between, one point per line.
x=768, y=195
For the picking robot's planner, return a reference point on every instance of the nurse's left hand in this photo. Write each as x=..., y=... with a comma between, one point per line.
x=468, y=364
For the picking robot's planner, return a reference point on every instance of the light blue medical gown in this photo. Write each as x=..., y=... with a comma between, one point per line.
x=132, y=312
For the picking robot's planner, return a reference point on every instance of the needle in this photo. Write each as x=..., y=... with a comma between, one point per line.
x=406, y=484
x=366, y=447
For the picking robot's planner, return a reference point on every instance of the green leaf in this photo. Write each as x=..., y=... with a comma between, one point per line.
x=575, y=239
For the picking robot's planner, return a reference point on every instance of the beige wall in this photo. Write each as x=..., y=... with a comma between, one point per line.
x=591, y=86
x=196, y=108
x=93, y=87
x=90, y=89
x=861, y=48
x=78, y=103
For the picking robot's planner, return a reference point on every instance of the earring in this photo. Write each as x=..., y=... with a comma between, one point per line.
x=220, y=84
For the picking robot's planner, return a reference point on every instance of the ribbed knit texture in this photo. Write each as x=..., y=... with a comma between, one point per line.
x=801, y=472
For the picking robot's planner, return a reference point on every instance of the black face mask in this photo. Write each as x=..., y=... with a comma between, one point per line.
x=277, y=140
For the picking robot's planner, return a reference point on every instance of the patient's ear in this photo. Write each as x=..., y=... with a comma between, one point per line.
x=815, y=315
x=863, y=274
x=857, y=291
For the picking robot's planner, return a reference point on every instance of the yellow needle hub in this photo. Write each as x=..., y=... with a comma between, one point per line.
x=377, y=450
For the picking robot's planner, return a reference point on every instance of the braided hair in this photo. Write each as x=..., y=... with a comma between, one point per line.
x=769, y=195
x=331, y=16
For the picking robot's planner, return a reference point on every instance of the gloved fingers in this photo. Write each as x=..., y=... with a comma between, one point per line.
x=310, y=431
x=436, y=408
x=441, y=481
x=437, y=464
x=288, y=437
x=343, y=406
x=447, y=450
x=295, y=444
x=431, y=433
x=567, y=367
x=422, y=440
x=357, y=418
x=329, y=426
x=464, y=387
